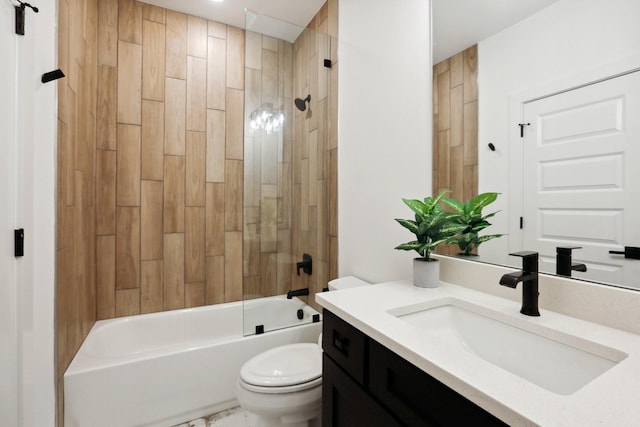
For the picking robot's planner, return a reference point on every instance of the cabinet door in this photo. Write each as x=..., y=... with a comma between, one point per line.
x=416, y=398
x=345, y=404
x=345, y=344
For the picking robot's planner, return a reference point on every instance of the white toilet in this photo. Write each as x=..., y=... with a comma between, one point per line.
x=283, y=386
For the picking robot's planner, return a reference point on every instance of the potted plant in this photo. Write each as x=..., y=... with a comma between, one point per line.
x=432, y=226
x=470, y=215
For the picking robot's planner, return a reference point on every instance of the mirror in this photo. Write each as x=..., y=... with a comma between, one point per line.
x=582, y=42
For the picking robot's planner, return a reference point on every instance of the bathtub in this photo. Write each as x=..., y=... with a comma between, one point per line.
x=166, y=368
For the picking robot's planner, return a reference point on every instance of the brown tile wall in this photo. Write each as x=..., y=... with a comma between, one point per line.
x=75, y=188
x=267, y=174
x=455, y=128
x=151, y=156
x=315, y=152
x=169, y=177
x=291, y=177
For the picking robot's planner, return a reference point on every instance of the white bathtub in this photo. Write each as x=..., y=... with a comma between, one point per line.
x=166, y=368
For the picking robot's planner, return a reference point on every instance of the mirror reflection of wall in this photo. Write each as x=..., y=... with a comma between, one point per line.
x=455, y=128
x=581, y=41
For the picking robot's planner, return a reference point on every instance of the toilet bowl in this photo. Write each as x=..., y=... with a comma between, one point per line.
x=283, y=386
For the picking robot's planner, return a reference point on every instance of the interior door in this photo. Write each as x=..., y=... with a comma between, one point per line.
x=8, y=267
x=581, y=182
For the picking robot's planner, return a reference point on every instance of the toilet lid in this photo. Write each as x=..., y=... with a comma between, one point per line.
x=284, y=366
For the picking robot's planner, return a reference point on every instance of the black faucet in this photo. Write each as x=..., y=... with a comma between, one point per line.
x=529, y=278
x=297, y=293
x=564, y=266
x=305, y=264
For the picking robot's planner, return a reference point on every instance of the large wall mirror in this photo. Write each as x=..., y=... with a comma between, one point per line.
x=568, y=71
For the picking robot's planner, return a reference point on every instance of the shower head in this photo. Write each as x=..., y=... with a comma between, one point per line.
x=301, y=104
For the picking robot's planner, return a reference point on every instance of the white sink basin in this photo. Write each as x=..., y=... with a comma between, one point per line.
x=555, y=361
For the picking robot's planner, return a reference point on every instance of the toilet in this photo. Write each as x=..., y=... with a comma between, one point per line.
x=283, y=385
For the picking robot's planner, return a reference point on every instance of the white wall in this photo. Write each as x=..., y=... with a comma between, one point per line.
x=28, y=132
x=558, y=47
x=384, y=131
x=8, y=265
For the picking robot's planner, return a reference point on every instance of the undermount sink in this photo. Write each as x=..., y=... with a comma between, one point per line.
x=558, y=362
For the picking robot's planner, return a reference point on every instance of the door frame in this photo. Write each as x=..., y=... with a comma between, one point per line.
x=29, y=133
x=9, y=349
x=516, y=113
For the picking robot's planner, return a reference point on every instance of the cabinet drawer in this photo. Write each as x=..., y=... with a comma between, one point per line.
x=345, y=345
x=415, y=397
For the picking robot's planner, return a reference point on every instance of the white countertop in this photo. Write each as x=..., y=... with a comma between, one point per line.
x=609, y=400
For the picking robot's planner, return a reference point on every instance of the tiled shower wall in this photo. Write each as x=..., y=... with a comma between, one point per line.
x=455, y=128
x=291, y=176
x=169, y=163
x=267, y=189
x=315, y=151
x=76, y=177
x=151, y=158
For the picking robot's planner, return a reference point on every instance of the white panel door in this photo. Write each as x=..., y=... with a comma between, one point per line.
x=581, y=184
x=8, y=270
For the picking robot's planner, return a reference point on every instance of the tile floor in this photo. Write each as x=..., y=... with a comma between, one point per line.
x=234, y=417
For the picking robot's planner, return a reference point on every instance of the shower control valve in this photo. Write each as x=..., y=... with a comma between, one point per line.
x=305, y=264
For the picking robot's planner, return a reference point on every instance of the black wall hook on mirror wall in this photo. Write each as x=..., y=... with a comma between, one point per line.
x=20, y=16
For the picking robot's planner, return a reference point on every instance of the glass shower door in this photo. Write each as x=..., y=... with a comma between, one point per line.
x=285, y=150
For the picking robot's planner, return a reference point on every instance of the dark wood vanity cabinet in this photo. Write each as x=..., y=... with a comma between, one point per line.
x=367, y=385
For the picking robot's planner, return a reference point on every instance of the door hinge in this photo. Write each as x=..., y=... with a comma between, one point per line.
x=522, y=125
x=18, y=241
x=521, y=223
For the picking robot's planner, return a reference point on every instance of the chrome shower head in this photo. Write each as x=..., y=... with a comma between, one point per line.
x=301, y=104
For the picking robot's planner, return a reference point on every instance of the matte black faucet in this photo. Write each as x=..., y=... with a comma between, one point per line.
x=564, y=266
x=529, y=278
x=297, y=293
x=305, y=264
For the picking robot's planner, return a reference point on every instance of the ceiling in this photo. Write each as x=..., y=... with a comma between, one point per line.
x=457, y=24
x=294, y=14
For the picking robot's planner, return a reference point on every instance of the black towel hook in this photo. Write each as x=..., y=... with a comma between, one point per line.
x=20, y=14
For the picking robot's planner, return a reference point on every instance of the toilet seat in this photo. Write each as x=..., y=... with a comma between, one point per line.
x=284, y=369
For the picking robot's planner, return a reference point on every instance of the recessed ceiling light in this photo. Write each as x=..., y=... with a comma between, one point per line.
x=217, y=1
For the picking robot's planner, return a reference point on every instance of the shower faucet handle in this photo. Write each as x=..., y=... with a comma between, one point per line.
x=305, y=264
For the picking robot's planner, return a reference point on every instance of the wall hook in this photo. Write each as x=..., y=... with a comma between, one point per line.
x=52, y=75
x=20, y=16
x=492, y=147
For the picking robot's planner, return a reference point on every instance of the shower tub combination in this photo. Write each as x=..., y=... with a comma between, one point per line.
x=166, y=368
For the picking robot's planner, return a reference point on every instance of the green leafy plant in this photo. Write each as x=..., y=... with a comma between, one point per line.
x=470, y=215
x=432, y=225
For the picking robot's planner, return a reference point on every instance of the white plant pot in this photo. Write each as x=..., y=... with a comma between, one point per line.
x=426, y=274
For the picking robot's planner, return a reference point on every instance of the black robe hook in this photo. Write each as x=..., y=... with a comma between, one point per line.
x=52, y=75
x=20, y=14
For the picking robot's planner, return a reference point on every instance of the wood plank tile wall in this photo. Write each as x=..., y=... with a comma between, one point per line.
x=315, y=152
x=290, y=188
x=266, y=221
x=77, y=167
x=455, y=128
x=151, y=156
x=169, y=176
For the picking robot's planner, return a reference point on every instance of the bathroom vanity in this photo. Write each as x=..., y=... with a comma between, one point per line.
x=395, y=354
x=364, y=383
